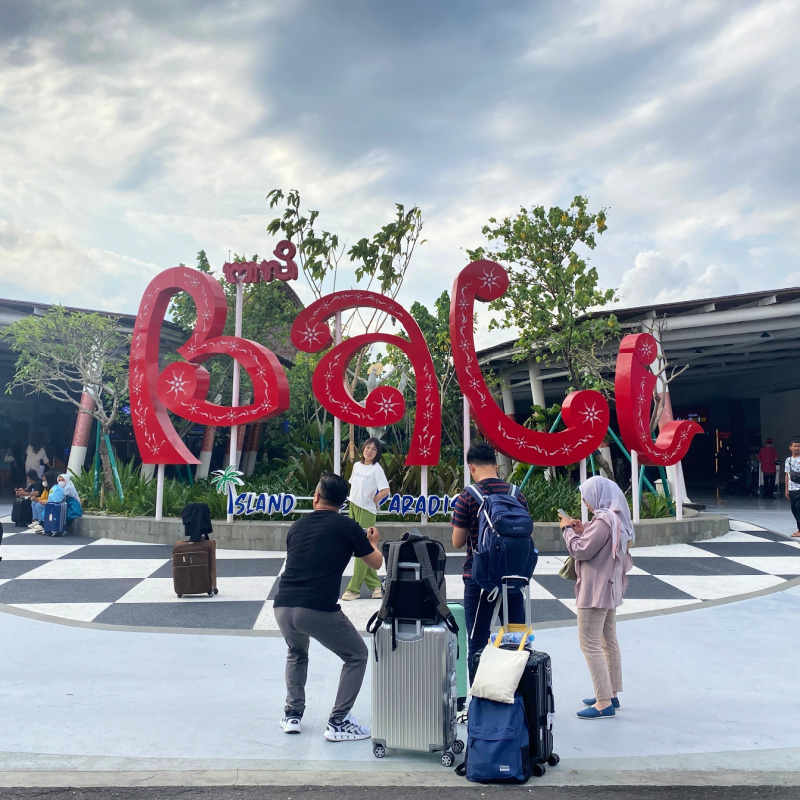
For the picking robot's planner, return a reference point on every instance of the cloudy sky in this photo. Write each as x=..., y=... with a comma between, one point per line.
x=136, y=133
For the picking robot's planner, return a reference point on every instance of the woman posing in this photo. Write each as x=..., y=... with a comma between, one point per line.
x=602, y=563
x=368, y=487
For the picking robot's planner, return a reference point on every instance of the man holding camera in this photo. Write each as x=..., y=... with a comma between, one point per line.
x=319, y=548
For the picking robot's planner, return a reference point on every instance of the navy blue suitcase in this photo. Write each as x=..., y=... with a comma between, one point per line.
x=55, y=519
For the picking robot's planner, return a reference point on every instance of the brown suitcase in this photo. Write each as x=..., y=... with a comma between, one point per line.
x=194, y=567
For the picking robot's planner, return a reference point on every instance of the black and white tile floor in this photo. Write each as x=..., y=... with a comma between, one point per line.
x=128, y=584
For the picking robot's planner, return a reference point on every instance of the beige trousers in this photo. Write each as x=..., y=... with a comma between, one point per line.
x=597, y=636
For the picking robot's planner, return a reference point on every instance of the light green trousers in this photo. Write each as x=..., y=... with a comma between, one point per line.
x=362, y=573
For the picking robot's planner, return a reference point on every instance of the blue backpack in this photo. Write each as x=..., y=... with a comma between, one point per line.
x=498, y=746
x=505, y=546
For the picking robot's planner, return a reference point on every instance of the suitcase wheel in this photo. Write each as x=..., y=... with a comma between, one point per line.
x=216, y=591
x=180, y=595
x=211, y=593
x=379, y=751
x=458, y=747
x=552, y=761
x=539, y=770
x=448, y=759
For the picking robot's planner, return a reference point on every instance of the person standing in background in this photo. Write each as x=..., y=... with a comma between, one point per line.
x=36, y=458
x=368, y=487
x=792, y=492
x=768, y=458
x=7, y=464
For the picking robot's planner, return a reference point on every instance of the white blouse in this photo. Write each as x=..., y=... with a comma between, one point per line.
x=365, y=482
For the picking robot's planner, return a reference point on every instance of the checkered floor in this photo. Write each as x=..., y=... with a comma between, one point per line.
x=124, y=583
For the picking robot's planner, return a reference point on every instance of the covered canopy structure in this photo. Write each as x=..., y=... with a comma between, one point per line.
x=742, y=385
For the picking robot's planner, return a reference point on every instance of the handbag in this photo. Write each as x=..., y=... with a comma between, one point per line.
x=567, y=572
x=794, y=477
x=499, y=671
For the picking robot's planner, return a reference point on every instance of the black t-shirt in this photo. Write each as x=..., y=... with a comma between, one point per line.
x=319, y=547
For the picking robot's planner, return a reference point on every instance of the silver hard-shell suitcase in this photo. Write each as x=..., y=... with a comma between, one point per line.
x=414, y=690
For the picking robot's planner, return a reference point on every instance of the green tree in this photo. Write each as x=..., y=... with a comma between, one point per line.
x=65, y=353
x=553, y=293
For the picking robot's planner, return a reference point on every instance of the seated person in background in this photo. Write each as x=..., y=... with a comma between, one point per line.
x=37, y=506
x=69, y=487
x=33, y=486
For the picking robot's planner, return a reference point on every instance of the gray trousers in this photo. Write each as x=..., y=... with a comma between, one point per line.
x=333, y=630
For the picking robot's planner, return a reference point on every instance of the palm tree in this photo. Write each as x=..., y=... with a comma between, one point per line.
x=225, y=479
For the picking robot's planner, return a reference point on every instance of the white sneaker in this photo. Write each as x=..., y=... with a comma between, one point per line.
x=37, y=529
x=348, y=595
x=347, y=731
x=290, y=724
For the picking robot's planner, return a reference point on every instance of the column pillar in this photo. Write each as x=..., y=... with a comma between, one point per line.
x=206, y=448
x=251, y=449
x=80, y=438
x=537, y=388
x=504, y=462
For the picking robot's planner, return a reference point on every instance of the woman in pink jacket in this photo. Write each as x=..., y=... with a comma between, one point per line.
x=602, y=563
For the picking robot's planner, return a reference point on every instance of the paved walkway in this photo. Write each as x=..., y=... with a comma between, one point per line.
x=705, y=699
x=118, y=583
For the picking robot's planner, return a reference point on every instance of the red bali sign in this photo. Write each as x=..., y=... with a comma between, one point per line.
x=384, y=405
x=633, y=388
x=267, y=271
x=182, y=387
x=585, y=413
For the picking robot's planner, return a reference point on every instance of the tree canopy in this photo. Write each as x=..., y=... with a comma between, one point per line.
x=553, y=293
x=64, y=353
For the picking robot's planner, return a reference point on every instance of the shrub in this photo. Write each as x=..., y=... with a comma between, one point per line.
x=546, y=497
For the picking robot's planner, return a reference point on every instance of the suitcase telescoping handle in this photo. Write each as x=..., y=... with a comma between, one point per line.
x=524, y=584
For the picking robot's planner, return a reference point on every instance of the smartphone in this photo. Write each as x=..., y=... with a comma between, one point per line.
x=562, y=513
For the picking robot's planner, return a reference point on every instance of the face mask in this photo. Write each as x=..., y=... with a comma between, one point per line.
x=62, y=484
x=44, y=483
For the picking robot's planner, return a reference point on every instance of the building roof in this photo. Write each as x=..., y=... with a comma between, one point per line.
x=753, y=337
x=172, y=336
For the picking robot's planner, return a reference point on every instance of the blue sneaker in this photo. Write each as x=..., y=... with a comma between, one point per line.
x=590, y=701
x=593, y=713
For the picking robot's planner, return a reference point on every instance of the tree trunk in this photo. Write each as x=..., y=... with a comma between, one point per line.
x=602, y=463
x=108, y=475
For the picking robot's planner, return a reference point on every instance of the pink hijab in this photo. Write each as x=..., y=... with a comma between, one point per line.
x=610, y=504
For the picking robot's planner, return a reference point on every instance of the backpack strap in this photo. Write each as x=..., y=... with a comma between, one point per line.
x=476, y=493
x=429, y=579
x=390, y=589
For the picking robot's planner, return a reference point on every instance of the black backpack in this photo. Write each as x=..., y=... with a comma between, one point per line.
x=415, y=587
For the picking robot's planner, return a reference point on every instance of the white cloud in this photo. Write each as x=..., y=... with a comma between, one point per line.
x=657, y=279
x=42, y=267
